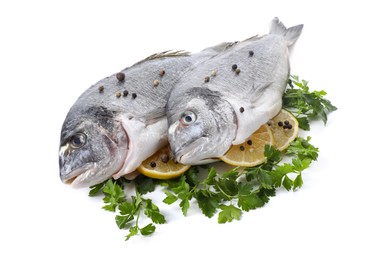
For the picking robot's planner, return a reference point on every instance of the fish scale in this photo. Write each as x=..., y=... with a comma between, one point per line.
x=149, y=98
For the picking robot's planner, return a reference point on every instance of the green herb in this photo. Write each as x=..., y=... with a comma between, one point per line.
x=113, y=195
x=226, y=195
x=237, y=190
x=228, y=213
x=130, y=211
x=306, y=104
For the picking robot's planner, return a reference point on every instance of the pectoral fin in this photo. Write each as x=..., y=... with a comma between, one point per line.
x=258, y=90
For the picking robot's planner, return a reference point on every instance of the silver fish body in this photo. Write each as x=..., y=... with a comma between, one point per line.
x=121, y=120
x=228, y=97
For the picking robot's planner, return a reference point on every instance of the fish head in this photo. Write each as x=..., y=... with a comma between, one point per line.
x=202, y=126
x=93, y=146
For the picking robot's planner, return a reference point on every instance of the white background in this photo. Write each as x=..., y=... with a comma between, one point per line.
x=51, y=51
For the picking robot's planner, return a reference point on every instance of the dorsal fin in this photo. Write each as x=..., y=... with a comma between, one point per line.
x=164, y=54
x=255, y=37
x=218, y=48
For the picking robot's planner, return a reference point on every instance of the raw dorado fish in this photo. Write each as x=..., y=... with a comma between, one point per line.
x=228, y=97
x=121, y=120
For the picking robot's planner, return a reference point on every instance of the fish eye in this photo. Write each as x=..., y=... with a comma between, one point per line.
x=188, y=118
x=78, y=140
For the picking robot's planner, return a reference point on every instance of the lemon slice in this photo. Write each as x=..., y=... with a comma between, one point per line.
x=251, y=152
x=162, y=166
x=284, y=127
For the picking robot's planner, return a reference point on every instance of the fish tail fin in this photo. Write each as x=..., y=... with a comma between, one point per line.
x=290, y=34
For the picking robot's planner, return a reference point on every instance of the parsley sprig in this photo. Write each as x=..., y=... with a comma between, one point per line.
x=228, y=194
x=129, y=211
x=306, y=105
x=245, y=189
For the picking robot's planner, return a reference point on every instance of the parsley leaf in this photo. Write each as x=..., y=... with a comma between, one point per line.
x=144, y=184
x=122, y=220
x=247, y=199
x=272, y=154
x=265, y=178
x=227, y=187
x=210, y=177
x=132, y=232
x=192, y=177
x=297, y=183
x=228, y=213
x=185, y=205
x=152, y=211
x=96, y=189
x=303, y=149
x=287, y=183
x=127, y=211
x=113, y=195
x=182, y=190
x=170, y=199
x=148, y=230
x=208, y=202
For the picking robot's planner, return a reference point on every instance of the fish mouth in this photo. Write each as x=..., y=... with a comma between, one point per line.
x=78, y=177
x=190, y=155
x=185, y=159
